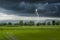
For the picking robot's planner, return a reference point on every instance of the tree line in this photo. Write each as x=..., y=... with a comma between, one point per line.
x=31, y=23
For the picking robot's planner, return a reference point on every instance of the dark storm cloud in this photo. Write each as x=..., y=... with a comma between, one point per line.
x=16, y=1
x=27, y=7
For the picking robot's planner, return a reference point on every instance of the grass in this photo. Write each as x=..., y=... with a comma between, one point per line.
x=30, y=33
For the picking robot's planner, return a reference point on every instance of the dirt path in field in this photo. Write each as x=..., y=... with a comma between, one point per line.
x=10, y=36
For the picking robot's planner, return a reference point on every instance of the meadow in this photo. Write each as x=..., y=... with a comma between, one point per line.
x=30, y=33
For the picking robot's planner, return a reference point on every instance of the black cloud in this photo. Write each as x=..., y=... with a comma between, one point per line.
x=27, y=7
x=32, y=1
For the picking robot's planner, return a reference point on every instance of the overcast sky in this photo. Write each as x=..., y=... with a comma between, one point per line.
x=13, y=9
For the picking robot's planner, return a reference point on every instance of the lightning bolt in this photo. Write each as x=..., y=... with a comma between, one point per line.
x=37, y=12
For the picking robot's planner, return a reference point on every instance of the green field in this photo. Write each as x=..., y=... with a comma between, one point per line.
x=30, y=33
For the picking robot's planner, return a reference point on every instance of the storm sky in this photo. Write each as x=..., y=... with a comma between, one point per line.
x=25, y=8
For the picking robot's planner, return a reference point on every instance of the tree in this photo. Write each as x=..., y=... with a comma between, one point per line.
x=31, y=23
x=2, y=24
x=9, y=23
x=58, y=23
x=53, y=22
x=21, y=23
x=38, y=24
x=16, y=24
x=25, y=24
x=43, y=23
x=48, y=23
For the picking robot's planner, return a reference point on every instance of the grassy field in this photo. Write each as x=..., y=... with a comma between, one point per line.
x=30, y=33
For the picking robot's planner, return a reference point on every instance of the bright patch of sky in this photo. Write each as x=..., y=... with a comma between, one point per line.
x=4, y=16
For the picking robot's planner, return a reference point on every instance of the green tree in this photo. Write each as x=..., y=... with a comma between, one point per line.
x=25, y=24
x=53, y=22
x=2, y=24
x=48, y=23
x=31, y=23
x=9, y=23
x=58, y=23
x=21, y=23
x=16, y=24
x=43, y=23
x=38, y=24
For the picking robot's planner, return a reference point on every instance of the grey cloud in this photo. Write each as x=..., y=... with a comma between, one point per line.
x=27, y=7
